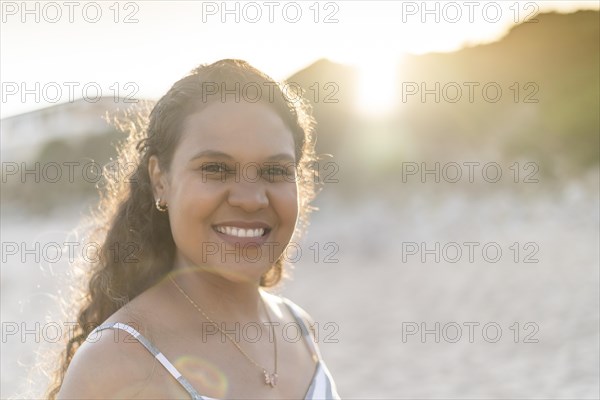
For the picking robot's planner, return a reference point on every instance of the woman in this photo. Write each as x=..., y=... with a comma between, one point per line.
x=176, y=306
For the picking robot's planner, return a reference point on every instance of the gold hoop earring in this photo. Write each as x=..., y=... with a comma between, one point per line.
x=160, y=207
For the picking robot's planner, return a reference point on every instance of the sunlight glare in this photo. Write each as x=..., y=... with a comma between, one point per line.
x=377, y=86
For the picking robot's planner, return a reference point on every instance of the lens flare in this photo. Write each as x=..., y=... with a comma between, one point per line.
x=205, y=373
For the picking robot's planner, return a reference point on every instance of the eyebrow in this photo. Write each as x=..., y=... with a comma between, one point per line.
x=220, y=154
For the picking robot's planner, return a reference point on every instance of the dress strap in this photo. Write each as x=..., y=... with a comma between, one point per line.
x=298, y=313
x=155, y=352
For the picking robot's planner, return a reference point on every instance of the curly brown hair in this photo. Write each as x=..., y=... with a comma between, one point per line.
x=126, y=214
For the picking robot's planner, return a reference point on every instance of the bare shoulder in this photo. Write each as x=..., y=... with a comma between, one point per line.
x=110, y=364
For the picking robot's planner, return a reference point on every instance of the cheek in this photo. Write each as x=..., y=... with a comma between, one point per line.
x=192, y=202
x=285, y=202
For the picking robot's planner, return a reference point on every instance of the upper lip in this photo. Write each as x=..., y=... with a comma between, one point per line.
x=245, y=224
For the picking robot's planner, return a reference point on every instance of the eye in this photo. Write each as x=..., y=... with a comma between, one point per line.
x=273, y=172
x=277, y=170
x=214, y=167
x=216, y=170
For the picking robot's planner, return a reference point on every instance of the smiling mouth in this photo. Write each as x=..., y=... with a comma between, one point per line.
x=242, y=232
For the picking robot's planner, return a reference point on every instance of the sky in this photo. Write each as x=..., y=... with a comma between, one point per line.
x=50, y=51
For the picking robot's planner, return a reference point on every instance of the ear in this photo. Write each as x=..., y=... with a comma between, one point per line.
x=158, y=179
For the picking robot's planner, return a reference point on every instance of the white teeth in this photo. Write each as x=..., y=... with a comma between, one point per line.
x=240, y=232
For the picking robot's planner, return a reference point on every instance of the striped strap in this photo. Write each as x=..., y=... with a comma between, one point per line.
x=297, y=313
x=322, y=385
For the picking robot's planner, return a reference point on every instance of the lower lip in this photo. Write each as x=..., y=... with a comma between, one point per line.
x=242, y=241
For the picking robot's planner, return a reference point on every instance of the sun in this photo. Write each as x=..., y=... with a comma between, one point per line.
x=377, y=88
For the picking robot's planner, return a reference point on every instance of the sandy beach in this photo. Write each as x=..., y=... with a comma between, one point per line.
x=505, y=328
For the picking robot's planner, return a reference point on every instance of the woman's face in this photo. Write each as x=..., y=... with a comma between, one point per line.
x=231, y=190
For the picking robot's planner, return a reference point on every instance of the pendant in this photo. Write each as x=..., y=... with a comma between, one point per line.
x=270, y=379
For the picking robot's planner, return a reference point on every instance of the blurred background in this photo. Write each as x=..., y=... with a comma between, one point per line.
x=455, y=251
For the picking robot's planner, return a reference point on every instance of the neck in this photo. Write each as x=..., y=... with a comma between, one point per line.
x=220, y=298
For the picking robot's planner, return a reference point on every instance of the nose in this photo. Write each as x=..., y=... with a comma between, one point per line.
x=250, y=196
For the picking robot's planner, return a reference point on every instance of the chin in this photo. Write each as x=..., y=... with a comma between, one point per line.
x=241, y=272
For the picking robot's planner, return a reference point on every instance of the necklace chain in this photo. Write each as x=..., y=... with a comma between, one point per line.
x=270, y=378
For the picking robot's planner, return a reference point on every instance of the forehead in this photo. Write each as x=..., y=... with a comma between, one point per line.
x=243, y=130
